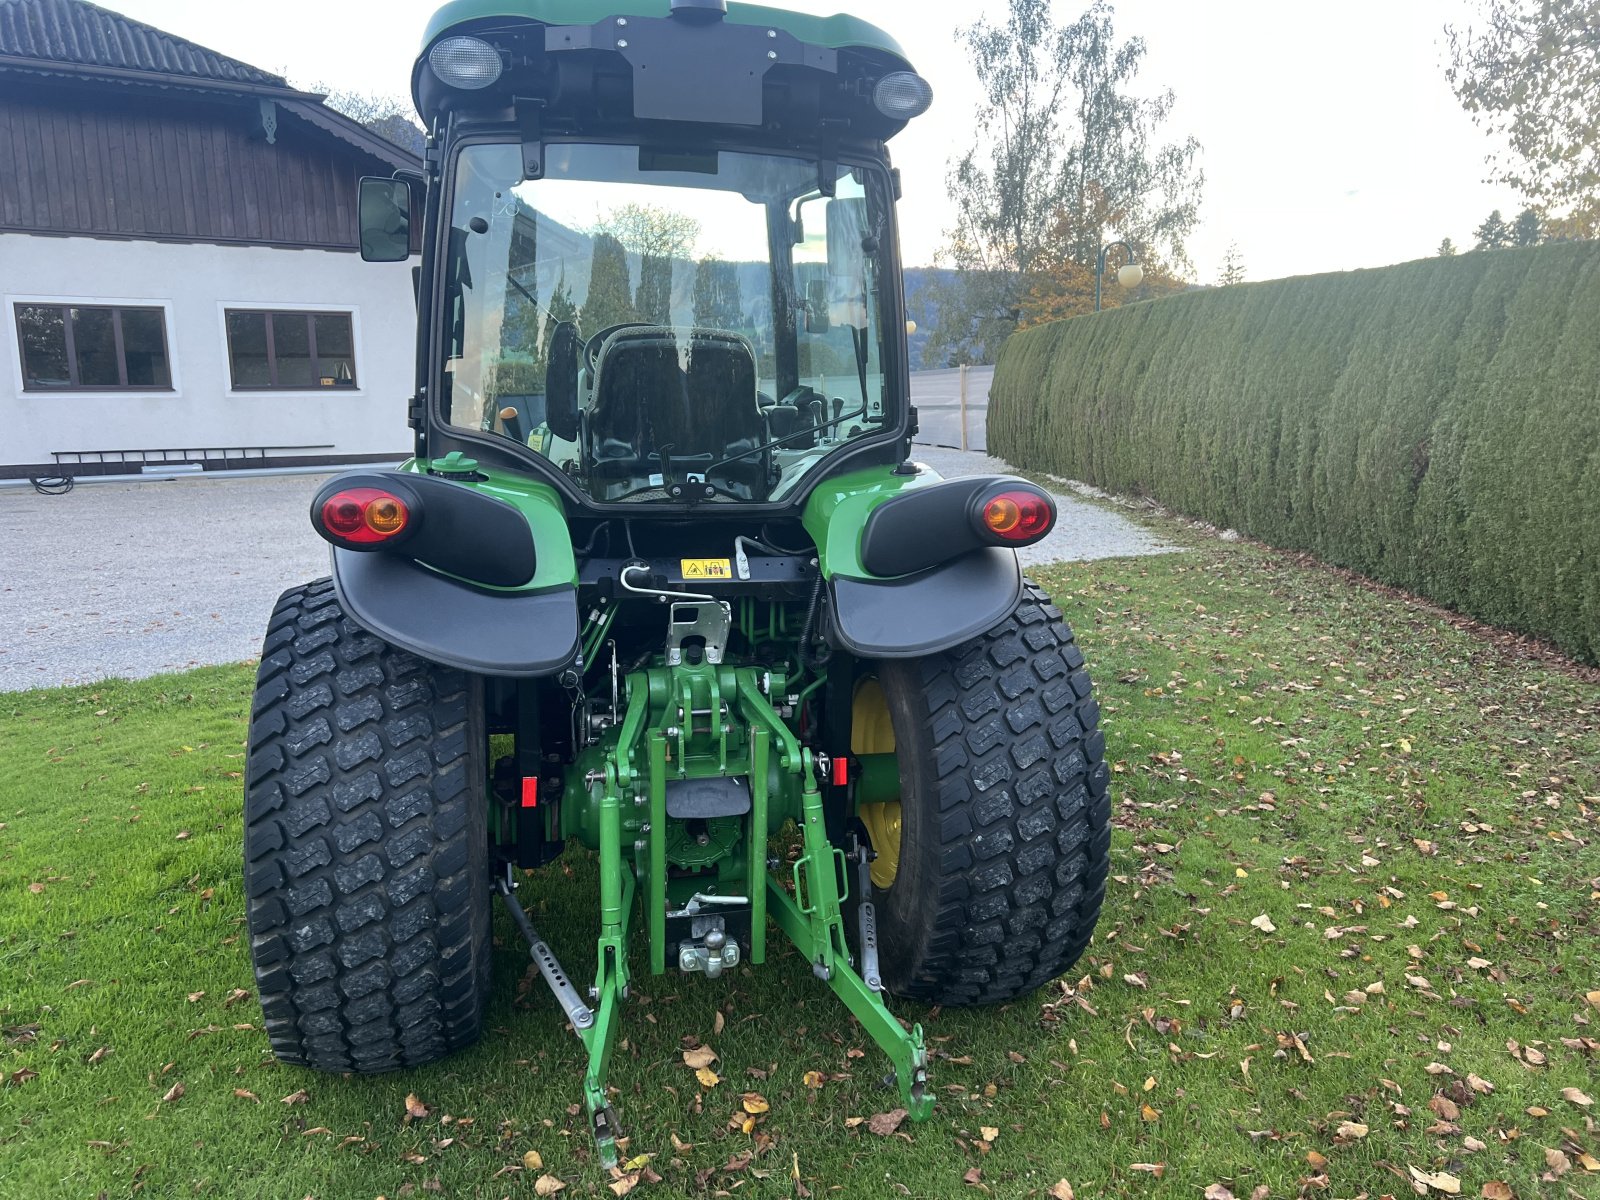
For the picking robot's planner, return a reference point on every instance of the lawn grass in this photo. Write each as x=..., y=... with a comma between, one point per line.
x=1411, y=807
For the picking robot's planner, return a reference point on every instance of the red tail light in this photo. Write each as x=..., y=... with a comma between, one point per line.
x=365, y=516
x=1018, y=516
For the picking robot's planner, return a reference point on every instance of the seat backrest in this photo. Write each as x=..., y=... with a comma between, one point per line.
x=693, y=392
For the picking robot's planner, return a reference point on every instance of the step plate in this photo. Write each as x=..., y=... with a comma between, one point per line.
x=703, y=799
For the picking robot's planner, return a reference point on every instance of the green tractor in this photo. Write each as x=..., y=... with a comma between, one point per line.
x=662, y=579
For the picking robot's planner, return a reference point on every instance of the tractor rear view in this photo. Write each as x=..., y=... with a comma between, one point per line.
x=662, y=579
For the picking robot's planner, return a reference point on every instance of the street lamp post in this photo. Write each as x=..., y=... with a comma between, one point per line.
x=1130, y=276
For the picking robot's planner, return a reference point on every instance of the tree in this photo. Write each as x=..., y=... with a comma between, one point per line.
x=1232, y=267
x=1447, y=249
x=610, y=298
x=658, y=236
x=1494, y=233
x=718, y=298
x=390, y=117
x=1064, y=155
x=1528, y=229
x=1532, y=75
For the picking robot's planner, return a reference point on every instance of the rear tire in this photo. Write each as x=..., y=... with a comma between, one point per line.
x=1006, y=822
x=366, y=845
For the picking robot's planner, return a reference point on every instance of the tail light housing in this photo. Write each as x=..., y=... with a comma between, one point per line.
x=366, y=518
x=1013, y=516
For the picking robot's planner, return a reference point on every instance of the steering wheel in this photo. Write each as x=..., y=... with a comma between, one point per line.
x=591, y=348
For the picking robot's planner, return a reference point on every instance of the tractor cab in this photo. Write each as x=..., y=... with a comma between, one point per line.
x=661, y=264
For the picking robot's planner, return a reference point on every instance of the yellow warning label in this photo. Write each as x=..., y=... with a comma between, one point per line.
x=707, y=568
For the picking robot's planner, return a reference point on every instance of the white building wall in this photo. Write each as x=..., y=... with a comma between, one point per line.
x=195, y=284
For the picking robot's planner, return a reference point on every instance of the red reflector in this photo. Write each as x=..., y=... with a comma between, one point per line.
x=530, y=792
x=365, y=516
x=1018, y=516
x=841, y=771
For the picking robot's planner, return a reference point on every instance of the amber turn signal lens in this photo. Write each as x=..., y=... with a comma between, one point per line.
x=364, y=516
x=386, y=515
x=1018, y=516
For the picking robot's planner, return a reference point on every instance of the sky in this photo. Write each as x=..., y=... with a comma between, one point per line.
x=1330, y=137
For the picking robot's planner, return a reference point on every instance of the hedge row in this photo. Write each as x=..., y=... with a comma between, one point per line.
x=1435, y=425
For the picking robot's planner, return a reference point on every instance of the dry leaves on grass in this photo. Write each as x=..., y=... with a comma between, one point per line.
x=300, y=1097
x=548, y=1185
x=1063, y=1191
x=885, y=1123
x=175, y=1092
x=1573, y=1096
x=699, y=1058
x=1264, y=924
x=416, y=1110
x=1439, y=1181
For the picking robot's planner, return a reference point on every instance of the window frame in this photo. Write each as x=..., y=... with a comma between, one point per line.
x=308, y=312
x=74, y=386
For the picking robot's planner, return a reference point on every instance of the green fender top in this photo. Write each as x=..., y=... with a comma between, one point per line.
x=842, y=32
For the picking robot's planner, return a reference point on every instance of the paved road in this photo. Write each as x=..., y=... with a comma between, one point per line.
x=937, y=395
x=138, y=579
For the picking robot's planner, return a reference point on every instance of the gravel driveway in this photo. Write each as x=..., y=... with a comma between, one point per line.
x=137, y=579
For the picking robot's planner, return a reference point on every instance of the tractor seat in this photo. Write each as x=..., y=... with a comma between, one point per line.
x=678, y=402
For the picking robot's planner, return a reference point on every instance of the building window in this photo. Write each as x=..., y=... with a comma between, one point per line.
x=290, y=351
x=94, y=349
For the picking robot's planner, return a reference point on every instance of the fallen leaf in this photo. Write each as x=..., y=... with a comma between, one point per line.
x=1573, y=1096
x=885, y=1123
x=1439, y=1181
x=1062, y=1191
x=698, y=1058
x=719, y=1023
x=531, y=1161
x=1445, y=1107
x=300, y=1097
x=244, y=1094
x=707, y=1077
x=754, y=1102
x=1264, y=923
x=548, y=1185
x=973, y=1178
x=1156, y=1169
x=184, y=835
x=1497, y=1189
x=812, y=1079
x=415, y=1108
x=1218, y=1191
x=18, y=1078
x=1352, y=1130
x=1557, y=1161
x=989, y=1134
x=175, y=1092
x=624, y=1184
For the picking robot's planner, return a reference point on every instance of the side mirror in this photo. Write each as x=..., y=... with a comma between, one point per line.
x=848, y=241
x=817, y=318
x=385, y=220
x=847, y=235
x=561, y=381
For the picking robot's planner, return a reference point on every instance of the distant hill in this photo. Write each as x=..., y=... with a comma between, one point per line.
x=922, y=305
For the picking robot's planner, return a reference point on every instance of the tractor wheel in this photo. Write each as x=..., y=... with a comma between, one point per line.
x=366, y=845
x=991, y=868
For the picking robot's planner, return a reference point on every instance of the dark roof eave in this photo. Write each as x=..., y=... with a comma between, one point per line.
x=307, y=106
x=353, y=132
x=45, y=66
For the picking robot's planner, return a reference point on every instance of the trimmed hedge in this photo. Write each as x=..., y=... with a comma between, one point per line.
x=1434, y=425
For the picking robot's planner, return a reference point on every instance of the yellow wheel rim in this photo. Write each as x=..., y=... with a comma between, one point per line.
x=871, y=732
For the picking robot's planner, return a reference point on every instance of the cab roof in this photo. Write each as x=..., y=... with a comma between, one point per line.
x=840, y=32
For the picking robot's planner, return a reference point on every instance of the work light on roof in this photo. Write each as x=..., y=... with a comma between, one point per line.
x=903, y=95
x=468, y=63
